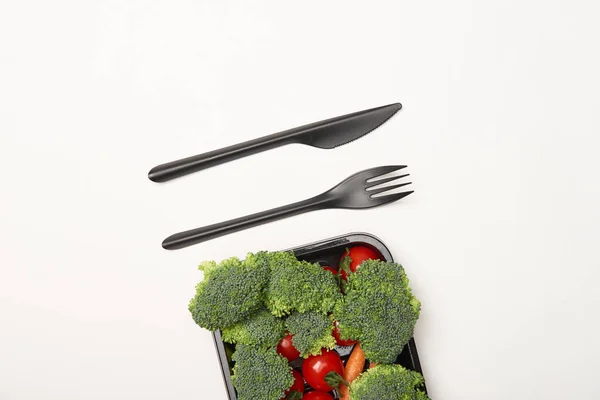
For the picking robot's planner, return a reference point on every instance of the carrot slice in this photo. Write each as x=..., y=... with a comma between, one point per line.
x=354, y=367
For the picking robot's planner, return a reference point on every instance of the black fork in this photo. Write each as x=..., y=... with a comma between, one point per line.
x=356, y=191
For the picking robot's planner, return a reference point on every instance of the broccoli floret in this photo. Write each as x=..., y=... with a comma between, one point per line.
x=260, y=260
x=312, y=331
x=299, y=286
x=378, y=310
x=262, y=328
x=388, y=382
x=230, y=292
x=207, y=267
x=260, y=373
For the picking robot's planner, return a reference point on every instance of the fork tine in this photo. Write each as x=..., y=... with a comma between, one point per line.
x=378, y=171
x=391, y=198
x=387, y=188
x=386, y=180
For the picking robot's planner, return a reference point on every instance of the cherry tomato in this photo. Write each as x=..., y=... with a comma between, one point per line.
x=330, y=269
x=315, y=368
x=287, y=349
x=335, y=272
x=338, y=340
x=358, y=254
x=344, y=275
x=298, y=384
x=317, y=396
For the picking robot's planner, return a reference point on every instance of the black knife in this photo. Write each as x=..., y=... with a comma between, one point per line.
x=325, y=134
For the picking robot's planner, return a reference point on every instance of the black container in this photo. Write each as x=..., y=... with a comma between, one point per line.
x=325, y=252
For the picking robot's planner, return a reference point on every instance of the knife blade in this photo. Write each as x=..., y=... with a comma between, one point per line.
x=325, y=134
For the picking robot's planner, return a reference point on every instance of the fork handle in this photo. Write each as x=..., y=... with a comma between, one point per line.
x=199, y=235
x=185, y=166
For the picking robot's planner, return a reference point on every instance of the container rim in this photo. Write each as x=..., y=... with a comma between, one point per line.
x=352, y=237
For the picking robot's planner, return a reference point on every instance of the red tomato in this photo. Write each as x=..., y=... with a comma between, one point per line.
x=317, y=396
x=358, y=254
x=287, y=349
x=335, y=271
x=336, y=335
x=298, y=384
x=330, y=269
x=315, y=368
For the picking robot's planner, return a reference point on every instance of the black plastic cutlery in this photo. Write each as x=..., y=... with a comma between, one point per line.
x=357, y=191
x=325, y=134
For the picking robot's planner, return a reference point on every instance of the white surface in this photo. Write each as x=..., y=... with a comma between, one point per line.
x=499, y=129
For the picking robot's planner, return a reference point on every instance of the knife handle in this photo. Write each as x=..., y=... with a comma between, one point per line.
x=185, y=166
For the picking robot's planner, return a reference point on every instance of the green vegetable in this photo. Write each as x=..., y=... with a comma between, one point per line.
x=378, y=310
x=388, y=382
x=230, y=292
x=312, y=332
x=299, y=286
x=262, y=328
x=345, y=262
x=260, y=373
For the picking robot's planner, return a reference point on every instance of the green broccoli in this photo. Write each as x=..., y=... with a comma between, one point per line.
x=388, y=382
x=311, y=332
x=378, y=310
x=262, y=328
x=230, y=292
x=261, y=260
x=299, y=286
x=260, y=373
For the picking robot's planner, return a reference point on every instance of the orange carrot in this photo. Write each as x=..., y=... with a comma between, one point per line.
x=354, y=367
x=372, y=365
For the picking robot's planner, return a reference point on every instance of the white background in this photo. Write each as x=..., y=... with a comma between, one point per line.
x=499, y=129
